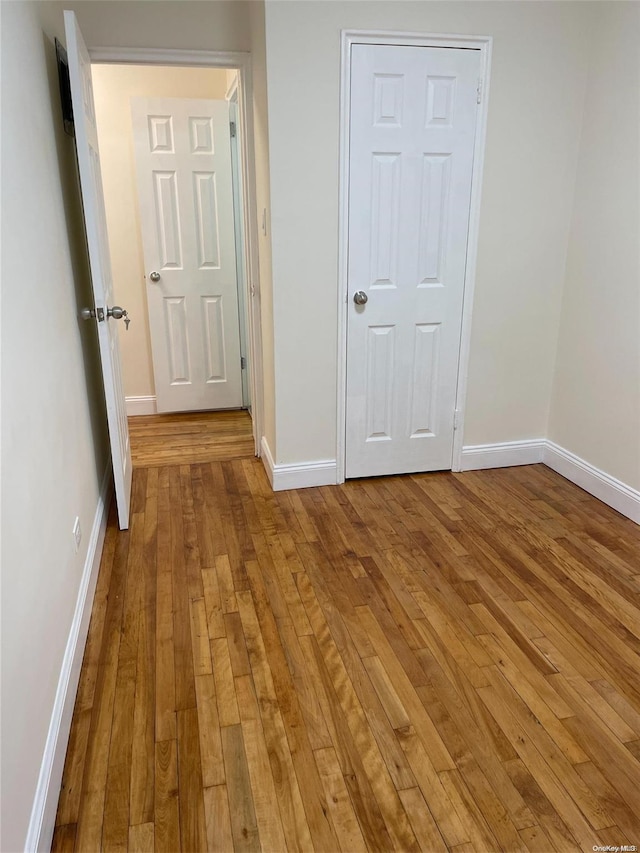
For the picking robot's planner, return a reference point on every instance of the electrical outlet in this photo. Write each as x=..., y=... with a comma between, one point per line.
x=77, y=533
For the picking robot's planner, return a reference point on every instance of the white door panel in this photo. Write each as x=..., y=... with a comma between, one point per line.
x=99, y=260
x=183, y=160
x=412, y=131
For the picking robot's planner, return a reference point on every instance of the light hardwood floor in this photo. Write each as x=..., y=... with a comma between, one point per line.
x=439, y=661
x=190, y=437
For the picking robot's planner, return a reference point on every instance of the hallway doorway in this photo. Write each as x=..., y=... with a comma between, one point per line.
x=172, y=180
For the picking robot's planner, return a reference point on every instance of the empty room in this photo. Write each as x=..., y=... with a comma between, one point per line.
x=320, y=425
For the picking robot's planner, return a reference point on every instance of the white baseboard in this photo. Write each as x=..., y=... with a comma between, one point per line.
x=502, y=455
x=475, y=457
x=301, y=475
x=599, y=484
x=45, y=803
x=603, y=486
x=141, y=406
x=267, y=459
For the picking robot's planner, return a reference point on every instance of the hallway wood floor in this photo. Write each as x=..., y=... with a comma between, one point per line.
x=440, y=661
x=189, y=437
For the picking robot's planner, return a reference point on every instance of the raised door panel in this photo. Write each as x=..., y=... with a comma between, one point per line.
x=214, y=338
x=201, y=135
x=177, y=340
x=161, y=135
x=385, y=223
x=388, y=95
x=379, y=382
x=441, y=92
x=435, y=197
x=424, y=381
x=167, y=212
x=206, y=215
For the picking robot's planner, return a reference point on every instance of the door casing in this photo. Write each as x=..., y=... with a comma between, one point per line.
x=232, y=98
x=241, y=62
x=349, y=38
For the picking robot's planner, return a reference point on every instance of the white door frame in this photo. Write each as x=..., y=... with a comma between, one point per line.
x=242, y=63
x=482, y=44
x=236, y=175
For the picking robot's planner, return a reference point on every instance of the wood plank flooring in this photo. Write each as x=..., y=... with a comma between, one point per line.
x=190, y=437
x=431, y=662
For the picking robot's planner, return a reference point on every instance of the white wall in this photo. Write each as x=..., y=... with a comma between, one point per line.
x=595, y=411
x=54, y=446
x=537, y=94
x=113, y=87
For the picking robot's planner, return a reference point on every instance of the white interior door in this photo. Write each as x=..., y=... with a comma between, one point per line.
x=183, y=161
x=412, y=133
x=99, y=260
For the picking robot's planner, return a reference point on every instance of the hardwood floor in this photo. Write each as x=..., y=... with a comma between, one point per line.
x=440, y=661
x=190, y=437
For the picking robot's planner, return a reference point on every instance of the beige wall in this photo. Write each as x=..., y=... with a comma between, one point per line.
x=595, y=411
x=178, y=24
x=263, y=202
x=54, y=444
x=231, y=75
x=114, y=86
x=535, y=112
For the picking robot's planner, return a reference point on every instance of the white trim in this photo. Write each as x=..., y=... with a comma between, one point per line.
x=601, y=485
x=267, y=459
x=472, y=254
x=252, y=266
x=483, y=44
x=242, y=63
x=606, y=488
x=141, y=405
x=502, y=455
x=343, y=254
x=168, y=56
x=405, y=37
x=45, y=803
x=301, y=475
x=231, y=93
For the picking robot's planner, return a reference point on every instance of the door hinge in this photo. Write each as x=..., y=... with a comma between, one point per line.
x=232, y=128
x=456, y=418
x=479, y=91
x=243, y=363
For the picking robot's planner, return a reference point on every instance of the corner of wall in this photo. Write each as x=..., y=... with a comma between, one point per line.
x=262, y=214
x=591, y=13
x=594, y=413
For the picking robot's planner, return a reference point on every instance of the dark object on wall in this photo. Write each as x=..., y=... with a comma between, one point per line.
x=65, y=89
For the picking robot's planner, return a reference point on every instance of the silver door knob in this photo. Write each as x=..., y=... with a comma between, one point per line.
x=154, y=276
x=119, y=313
x=92, y=314
x=360, y=297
